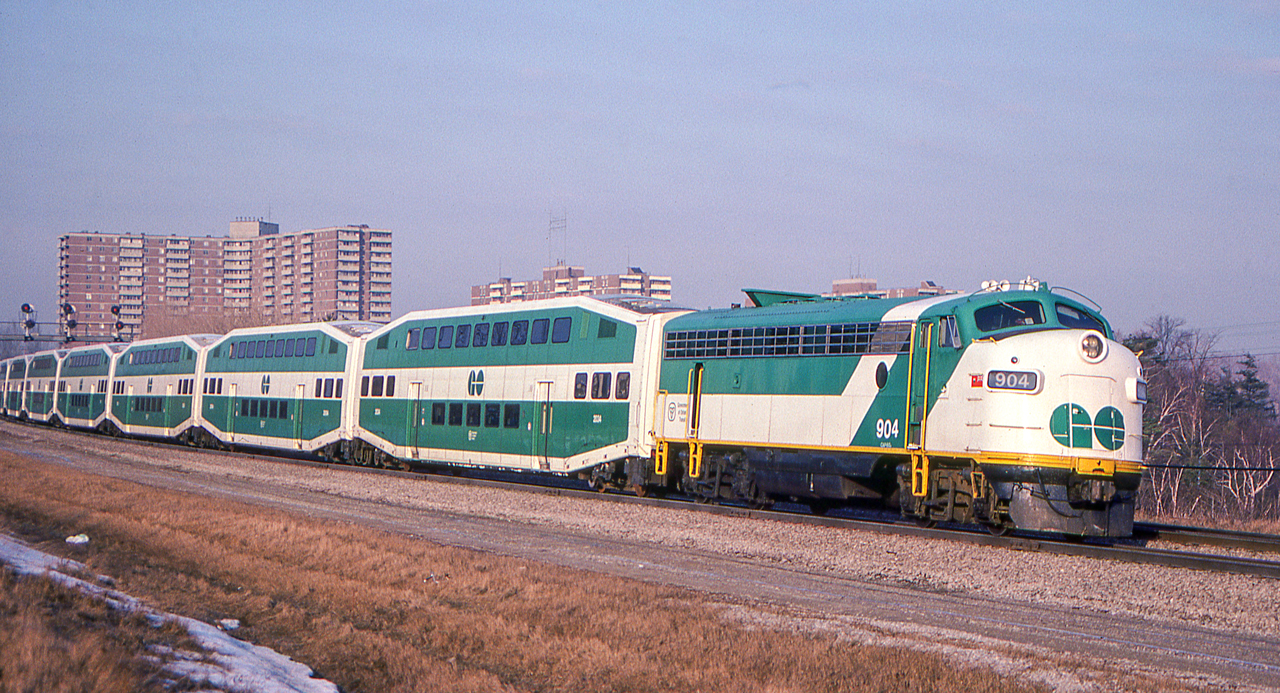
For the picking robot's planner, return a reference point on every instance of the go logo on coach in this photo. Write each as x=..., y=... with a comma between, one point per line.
x=1071, y=425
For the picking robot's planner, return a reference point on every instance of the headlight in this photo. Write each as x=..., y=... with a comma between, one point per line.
x=1136, y=390
x=1093, y=348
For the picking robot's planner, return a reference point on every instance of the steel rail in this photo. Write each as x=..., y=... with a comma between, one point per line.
x=1204, y=536
x=568, y=487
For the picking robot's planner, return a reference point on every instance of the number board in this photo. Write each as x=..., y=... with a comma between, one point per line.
x=1022, y=381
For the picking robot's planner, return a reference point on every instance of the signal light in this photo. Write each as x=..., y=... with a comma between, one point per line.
x=68, y=309
x=26, y=308
x=115, y=310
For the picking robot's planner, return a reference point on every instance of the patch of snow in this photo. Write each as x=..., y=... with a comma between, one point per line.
x=229, y=663
x=78, y=539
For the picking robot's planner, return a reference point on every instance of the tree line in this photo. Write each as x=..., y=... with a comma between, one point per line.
x=1209, y=428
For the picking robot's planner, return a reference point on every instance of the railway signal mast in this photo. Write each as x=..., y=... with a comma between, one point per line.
x=29, y=322
x=69, y=322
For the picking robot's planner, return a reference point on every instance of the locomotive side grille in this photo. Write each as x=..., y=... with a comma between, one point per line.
x=868, y=338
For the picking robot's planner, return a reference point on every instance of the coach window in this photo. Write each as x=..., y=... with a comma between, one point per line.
x=437, y=413
x=284, y=408
x=376, y=390
x=274, y=409
x=364, y=386
x=481, y=335
x=511, y=416
x=391, y=386
x=414, y=335
x=260, y=350
x=473, y=414
x=320, y=386
x=253, y=408
x=600, y=383
x=288, y=348
x=580, y=386
x=311, y=346
x=464, y=336
x=560, y=330
x=622, y=389
x=446, y=337
x=337, y=388
x=328, y=387
x=538, y=333
x=492, y=415
x=428, y=338
x=279, y=347
x=499, y=334
x=455, y=414
x=241, y=351
x=271, y=349
x=519, y=332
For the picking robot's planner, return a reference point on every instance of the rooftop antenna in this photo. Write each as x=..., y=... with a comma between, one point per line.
x=559, y=224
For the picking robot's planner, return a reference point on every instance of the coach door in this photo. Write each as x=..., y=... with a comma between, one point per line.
x=543, y=422
x=414, y=414
x=299, y=396
x=234, y=405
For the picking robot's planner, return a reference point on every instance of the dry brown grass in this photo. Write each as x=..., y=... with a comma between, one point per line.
x=53, y=638
x=374, y=611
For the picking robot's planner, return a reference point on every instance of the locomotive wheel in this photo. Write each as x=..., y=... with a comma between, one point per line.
x=640, y=490
x=819, y=507
x=997, y=529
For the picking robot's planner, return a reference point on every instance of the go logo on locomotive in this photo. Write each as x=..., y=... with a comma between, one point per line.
x=1072, y=426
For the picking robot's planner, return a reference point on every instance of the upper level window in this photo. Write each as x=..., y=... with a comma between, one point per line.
x=560, y=330
x=446, y=337
x=480, y=337
x=464, y=336
x=519, y=332
x=428, y=338
x=499, y=334
x=414, y=335
x=1009, y=314
x=538, y=333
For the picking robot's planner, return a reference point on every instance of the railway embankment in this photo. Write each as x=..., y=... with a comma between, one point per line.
x=331, y=566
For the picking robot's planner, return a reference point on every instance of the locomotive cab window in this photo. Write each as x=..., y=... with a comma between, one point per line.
x=622, y=389
x=580, y=386
x=1009, y=314
x=1071, y=317
x=948, y=333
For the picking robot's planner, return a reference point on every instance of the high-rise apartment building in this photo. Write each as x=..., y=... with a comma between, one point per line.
x=563, y=280
x=341, y=272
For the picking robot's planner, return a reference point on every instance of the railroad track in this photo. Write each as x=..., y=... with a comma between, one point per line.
x=1129, y=551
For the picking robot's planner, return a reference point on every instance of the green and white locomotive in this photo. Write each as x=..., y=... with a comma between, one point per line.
x=1011, y=406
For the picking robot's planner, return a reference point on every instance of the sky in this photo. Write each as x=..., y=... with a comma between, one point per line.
x=1127, y=151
